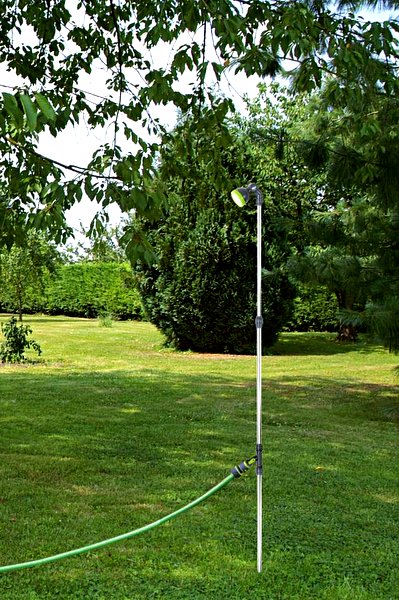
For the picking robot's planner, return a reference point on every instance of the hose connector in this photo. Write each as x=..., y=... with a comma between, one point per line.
x=243, y=467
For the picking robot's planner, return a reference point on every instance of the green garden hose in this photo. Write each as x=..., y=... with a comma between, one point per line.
x=235, y=473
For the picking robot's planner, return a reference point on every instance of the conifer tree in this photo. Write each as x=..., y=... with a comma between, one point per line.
x=359, y=153
x=201, y=292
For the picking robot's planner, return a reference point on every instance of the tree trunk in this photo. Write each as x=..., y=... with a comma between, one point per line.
x=20, y=306
x=347, y=333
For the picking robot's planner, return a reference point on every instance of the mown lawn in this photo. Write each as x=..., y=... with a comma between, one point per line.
x=111, y=432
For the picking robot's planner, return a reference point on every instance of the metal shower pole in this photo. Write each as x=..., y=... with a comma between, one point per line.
x=259, y=323
x=241, y=197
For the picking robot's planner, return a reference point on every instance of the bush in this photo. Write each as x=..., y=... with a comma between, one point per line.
x=202, y=294
x=16, y=342
x=315, y=309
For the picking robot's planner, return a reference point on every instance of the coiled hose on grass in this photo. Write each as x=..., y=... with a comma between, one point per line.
x=235, y=473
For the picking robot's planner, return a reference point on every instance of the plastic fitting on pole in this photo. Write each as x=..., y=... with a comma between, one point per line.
x=243, y=467
x=258, y=458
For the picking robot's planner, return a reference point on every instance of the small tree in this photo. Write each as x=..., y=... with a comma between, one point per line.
x=12, y=350
x=23, y=270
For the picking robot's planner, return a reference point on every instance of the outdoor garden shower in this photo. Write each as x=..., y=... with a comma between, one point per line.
x=241, y=196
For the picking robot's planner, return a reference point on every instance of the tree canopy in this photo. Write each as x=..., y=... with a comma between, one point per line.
x=355, y=239
x=55, y=50
x=339, y=173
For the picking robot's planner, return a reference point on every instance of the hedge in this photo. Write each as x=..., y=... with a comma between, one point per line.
x=87, y=289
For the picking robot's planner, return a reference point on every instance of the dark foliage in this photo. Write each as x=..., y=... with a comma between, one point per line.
x=315, y=309
x=202, y=291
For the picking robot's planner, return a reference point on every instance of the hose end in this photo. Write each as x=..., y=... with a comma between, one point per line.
x=243, y=467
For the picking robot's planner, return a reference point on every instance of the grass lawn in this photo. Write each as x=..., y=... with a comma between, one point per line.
x=111, y=431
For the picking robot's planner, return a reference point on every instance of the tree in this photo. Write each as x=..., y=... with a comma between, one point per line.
x=358, y=151
x=339, y=272
x=201, y=293
x=314, y=43
x=300, y=193
x=258, y=37
x=104, y=247
x=16, y=342
x=346, y=234
x=23, y=270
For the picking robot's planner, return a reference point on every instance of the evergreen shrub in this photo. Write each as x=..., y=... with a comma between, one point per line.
x=202, y=293
x=315, y=309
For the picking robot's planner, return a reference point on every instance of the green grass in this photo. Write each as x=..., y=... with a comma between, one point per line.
x=111, y=432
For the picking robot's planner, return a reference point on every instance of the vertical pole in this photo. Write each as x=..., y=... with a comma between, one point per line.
x=259, y=323
x=241, y=197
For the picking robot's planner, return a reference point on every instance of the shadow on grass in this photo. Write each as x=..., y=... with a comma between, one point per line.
x=47, y=320
x=33, y=319
x=326, y=397
x=147, y=415
x=313, y=344
x=88, y=456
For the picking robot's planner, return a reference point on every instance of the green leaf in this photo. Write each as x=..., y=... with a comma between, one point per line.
x=45, y=106
x=139, y=199
x=11, y=106
x=30, y=111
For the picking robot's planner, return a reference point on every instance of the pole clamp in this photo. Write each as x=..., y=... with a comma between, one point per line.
x=240, y=469
x=259, y=322
x=259, y=463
